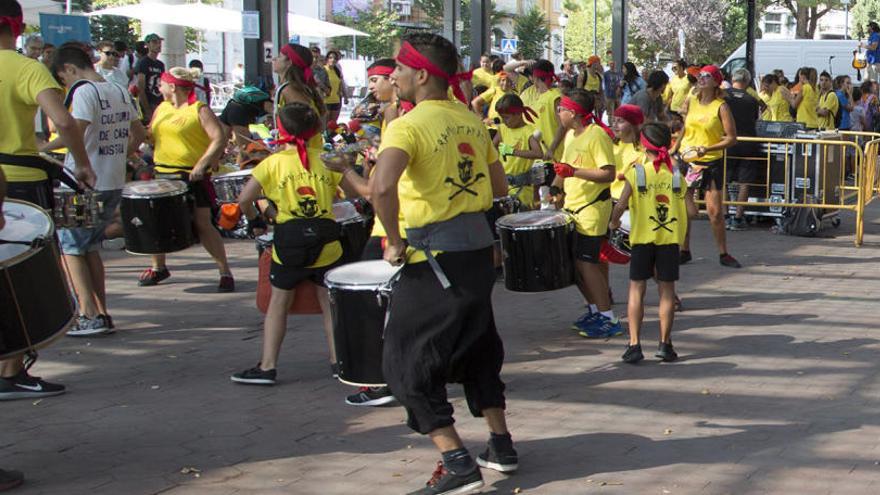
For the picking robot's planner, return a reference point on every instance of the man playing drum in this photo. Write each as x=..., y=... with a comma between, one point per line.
x=27, y=86
x=437, y=166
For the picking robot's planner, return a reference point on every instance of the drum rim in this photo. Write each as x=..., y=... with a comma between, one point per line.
x=372, y=286
x=30, y=251
x=238, y=174
x=567, y=221
x=128, y=194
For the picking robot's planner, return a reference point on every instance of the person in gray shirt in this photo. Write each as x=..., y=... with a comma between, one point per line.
x=650, y=99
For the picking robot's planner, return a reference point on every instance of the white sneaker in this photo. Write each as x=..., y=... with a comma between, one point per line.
x=113, y=244
x=88, y=326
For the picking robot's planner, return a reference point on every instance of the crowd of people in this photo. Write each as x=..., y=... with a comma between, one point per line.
x=450, y=141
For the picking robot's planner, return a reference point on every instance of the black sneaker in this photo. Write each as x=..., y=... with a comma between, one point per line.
x=633, y=354
x=729, y=261
x=666, y=353
x=10, y=480
x=255, y=376
x=24, y=386
x=738, y=224
x=499, y=456
x=445, y=482
x=370, y=396
x=684, y=257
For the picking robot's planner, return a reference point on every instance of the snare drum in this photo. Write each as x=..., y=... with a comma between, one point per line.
x=156, y=217
x=536, y=249
x=76, y=210
x=35, y=300
x=355, y=229
x=359, y=294
x=618, y=242
x=227, y=187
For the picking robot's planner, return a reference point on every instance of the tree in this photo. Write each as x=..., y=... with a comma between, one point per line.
x=864, y=12
x=433, y=10
x=579, y=32
x=532, y=32
x=379, y=23
x=656, y=23
x=808, y=12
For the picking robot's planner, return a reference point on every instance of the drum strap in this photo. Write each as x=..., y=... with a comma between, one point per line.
x=642, y=181
x=520, y=180
x=465, y=232
x=605, y=195
x=52, y=170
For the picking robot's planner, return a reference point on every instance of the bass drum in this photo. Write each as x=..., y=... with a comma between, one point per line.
x=156, y=217
x=35, y=300
x=536, y=248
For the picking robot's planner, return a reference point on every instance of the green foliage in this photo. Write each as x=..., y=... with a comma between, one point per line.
x=433, y=10
x=579, y=31
x=864, y=12
x=110, y=27
x=380, y=24
x=533, y=34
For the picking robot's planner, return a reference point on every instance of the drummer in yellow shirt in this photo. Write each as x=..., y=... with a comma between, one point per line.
x=517, y=146
x=548, y=97
x=490, y=97
x=587, y=170
x=306, y=243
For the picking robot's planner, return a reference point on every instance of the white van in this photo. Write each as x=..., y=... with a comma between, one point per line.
x=834, y=56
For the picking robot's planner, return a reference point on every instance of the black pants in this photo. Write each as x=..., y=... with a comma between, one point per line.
x=436, y=336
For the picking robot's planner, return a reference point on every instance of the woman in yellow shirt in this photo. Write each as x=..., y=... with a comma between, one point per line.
x=777, y=99
x=807, y=100
x=338, y=95
x=188, y=140
x=294, y=68
x=708, y=130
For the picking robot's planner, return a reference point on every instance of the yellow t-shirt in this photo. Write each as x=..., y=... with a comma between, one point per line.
x=490, y=97
x=703, y=127
x=180, y=140
x=482, y=77
x=778, y=108
x=529, y=96
x=592, y=149
x=547, y=123
x=521, y=82
x=334, y=79
x=514, y=165
x=681, y=88
x=829, y=102
x=593, y=82
x=657, y=216
x=625, y=154
x=23, y=80
x=299, y=193
x=806, y=111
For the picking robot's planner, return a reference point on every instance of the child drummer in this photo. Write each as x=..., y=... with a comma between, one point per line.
x=517, y=146
x=306, y=243
x=655, y=195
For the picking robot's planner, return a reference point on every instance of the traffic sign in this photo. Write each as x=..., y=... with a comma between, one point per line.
x=508, y=45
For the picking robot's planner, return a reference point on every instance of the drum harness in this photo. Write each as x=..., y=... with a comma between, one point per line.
x=465, y=232
x=604, y=195
x=53, y=171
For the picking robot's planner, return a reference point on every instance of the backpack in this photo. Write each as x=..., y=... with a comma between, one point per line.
x=802, y=222
x=250, y=95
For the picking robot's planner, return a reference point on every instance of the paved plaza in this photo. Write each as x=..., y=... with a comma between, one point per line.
x=777, y=390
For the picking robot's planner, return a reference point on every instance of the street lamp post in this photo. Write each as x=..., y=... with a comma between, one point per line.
x=563, y=21
x=846, y=19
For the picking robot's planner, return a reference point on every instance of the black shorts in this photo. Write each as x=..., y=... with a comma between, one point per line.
x=287, y=277
x=742, y=171
x=37, y=192
x=648, y=260
x=334, y=107
x=200, y=192
x=712, y=174
x=587, y=247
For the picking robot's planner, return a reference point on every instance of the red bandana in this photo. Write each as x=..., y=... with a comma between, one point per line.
x=297, y=61
x=529, y=114
x=587, y=118
x=662, y=154
x=406, y=106
x=16, y=24
x=182, y=83
x=300, y=141
x=546, y=76
x=380, y=70
x=411, y=57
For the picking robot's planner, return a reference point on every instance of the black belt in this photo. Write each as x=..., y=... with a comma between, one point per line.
x=39, y=163
x=603, y=196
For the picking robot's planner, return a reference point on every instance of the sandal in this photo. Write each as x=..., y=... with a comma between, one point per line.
x=151, y=277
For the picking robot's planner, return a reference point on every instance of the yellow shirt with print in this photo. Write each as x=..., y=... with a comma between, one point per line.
x=680, y=88
x=828, y=102
x=592, y=149
x=300, y=194
x=806, y=111
x=24, y=79
x=482, y=77
x=778, y=108
x=515, y=165
x=625, y=155
x=179, y=138
x=547, y=123
x=657, y=216
x=703, y=127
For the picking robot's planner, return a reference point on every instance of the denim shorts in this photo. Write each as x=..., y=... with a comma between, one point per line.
x=81, y=241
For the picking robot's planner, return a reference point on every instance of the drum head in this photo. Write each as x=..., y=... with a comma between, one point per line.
x=537, y=219
x=24, y=223
x=154, y=188
x=238, y=174
x=363, y=275
x=345, y=211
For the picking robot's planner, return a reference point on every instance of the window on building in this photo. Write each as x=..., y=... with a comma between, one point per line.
x=773, y=23
x=557, y=5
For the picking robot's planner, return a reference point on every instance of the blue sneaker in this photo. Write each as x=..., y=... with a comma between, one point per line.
x=585, y=322
x=602, y=327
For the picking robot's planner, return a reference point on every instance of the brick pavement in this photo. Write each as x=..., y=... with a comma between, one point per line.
x=776, y=391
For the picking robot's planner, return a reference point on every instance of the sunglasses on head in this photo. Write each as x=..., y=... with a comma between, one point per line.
x=111, y=53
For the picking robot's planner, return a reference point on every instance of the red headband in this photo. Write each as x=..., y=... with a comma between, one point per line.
x=380, y=70
x=529, y=114
x=587, y=118
x=182, y=83
x=16, y=24
x=662, y=154
x=300, y=141
x=411, y=57
x=288, y=51
x=547, y=76
x=630, y=113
